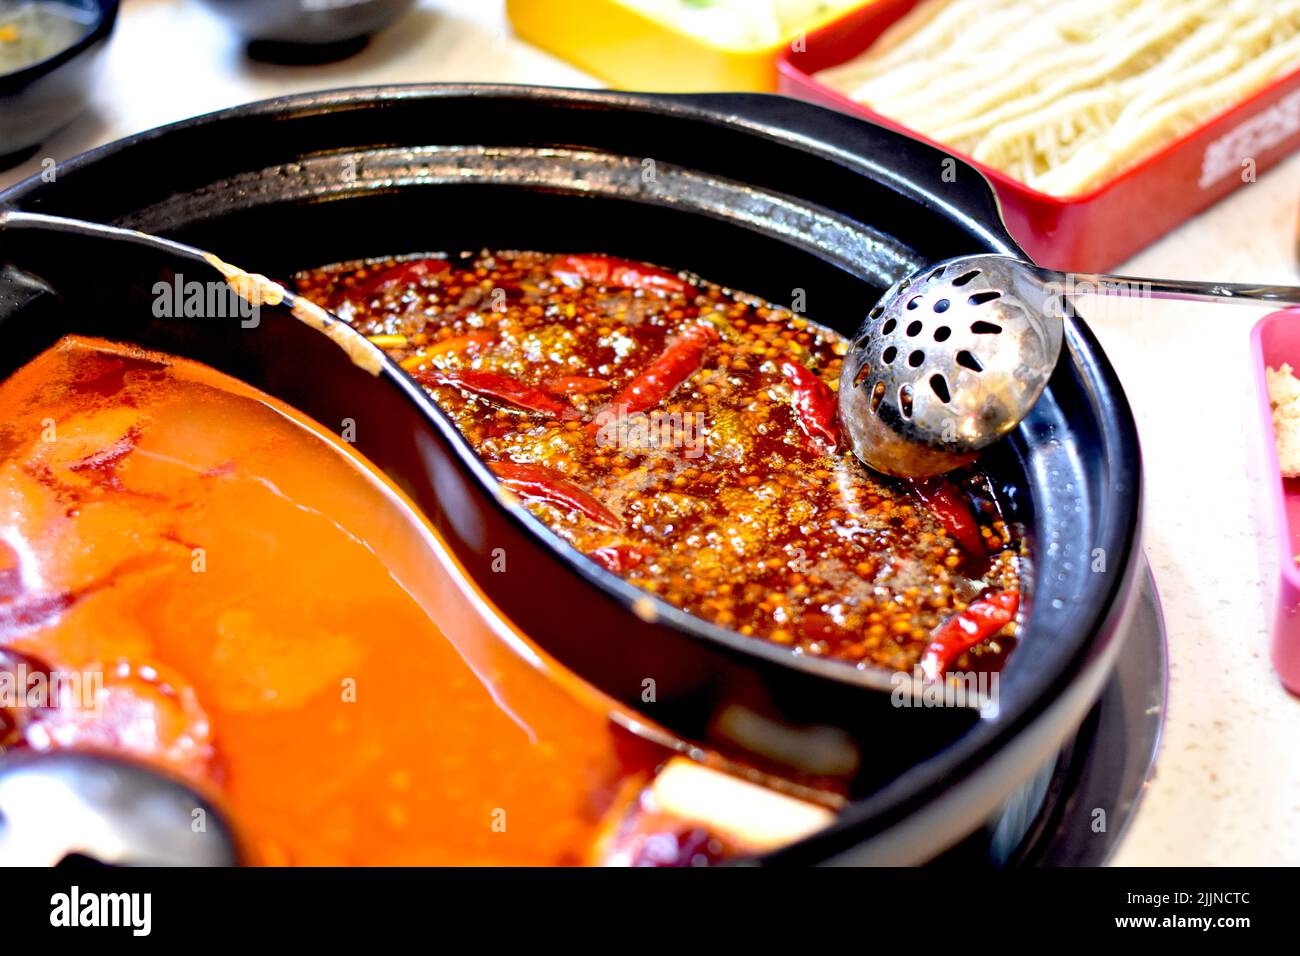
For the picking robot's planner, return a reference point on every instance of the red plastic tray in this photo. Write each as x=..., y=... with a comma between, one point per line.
x=1095, y=231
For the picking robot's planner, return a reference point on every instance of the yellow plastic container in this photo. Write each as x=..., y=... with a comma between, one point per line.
x=631, y=49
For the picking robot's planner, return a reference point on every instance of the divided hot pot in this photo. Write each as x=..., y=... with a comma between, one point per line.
x=759, y=193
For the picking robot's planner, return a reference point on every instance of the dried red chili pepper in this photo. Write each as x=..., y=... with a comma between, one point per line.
x=24, y=612
x=20, y=670
x=617, y=273
x=538, y=483
x=575, y=385
x=815, y=407
x=11, y=573
x=494, y=385
x=617, y=557
x=402, y=274
x=980, y=621
x=19, y=608
x=103, y=463
x=675, y=364
x=953, y=513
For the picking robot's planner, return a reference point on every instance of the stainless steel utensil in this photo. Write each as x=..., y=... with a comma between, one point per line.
x=955, y=355
x=55, y=805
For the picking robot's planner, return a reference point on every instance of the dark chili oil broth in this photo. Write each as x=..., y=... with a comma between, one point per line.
x=873, y=604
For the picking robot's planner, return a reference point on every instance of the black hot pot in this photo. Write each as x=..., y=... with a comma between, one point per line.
x=758, y=192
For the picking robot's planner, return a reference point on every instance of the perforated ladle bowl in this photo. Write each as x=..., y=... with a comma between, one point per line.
x=955, y=355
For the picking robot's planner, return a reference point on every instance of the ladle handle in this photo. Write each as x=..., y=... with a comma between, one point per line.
x=1077, y=283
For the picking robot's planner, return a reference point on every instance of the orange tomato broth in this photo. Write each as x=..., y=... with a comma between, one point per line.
x=276, y=624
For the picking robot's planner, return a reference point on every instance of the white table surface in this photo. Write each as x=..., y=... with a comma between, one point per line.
x=1227, y=787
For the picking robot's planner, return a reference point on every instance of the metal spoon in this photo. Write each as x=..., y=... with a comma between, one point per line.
x=955, y=355
x=53, y=805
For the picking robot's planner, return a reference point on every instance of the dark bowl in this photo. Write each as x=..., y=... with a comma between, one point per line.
x=40, y=99
x=289, y=23
x=757, y=192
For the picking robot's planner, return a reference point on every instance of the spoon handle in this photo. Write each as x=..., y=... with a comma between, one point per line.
x=1076, y=283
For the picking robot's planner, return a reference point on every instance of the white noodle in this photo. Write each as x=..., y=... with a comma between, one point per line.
x=1063, y=94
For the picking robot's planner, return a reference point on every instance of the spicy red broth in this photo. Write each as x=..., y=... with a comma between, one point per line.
x=683, y=436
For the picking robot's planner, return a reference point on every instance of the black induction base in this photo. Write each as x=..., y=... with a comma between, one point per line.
x=1083, y=805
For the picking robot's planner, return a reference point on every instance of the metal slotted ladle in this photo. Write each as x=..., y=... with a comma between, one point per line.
x=955, y=355
x=109, y=810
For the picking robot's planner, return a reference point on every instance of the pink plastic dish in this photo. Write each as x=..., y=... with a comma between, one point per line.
x=1276, y=339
